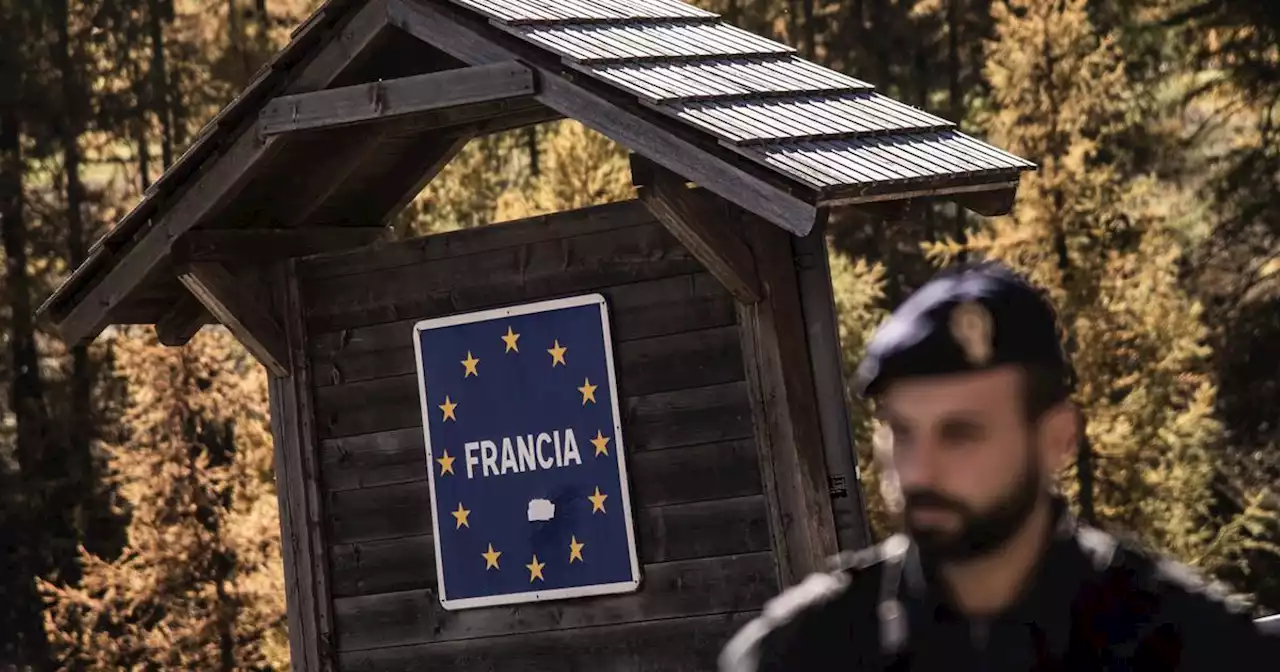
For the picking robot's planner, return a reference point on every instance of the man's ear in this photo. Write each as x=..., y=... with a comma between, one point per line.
x=1060, y=435
x=882, y=463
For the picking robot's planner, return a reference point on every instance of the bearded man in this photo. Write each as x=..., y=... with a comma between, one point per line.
x=991, y=571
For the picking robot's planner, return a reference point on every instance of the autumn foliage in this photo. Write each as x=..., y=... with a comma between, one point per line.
x=199, y=585
x=138, y=515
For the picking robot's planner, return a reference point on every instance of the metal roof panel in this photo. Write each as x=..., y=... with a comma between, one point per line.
x=631, y=42
x=687, y=81
x=516, y=12
x=807, y=117
x=887, y=158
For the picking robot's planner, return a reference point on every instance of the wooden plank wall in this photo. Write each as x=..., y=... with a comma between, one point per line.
x=702, y=528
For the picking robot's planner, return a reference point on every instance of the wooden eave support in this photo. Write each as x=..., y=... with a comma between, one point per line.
x=393, y=98
x=994, y=203
x=698, y=226
x=184, y=319
x=785, y=408
x=239, y=311
x=626, y=124
x=983, y=197
x=245, y=246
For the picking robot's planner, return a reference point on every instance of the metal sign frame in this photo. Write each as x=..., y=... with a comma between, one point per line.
x=619, y=450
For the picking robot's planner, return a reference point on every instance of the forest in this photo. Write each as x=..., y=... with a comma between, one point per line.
x=138, y=515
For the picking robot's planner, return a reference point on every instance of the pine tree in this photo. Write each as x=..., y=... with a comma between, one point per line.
x=493, y=179
x=465, y=194
x=1096, y=237
x=579, y=168
x=199, y=585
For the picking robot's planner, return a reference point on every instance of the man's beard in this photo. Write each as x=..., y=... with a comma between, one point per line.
x=980, y=533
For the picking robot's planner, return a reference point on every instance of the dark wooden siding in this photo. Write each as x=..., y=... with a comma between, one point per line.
x=702, y=529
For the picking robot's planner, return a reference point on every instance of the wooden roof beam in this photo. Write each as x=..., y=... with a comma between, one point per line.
x=627, y=125
x=184, y=319
x=396, y=98
x=989, y=203
x=241, y=246
x=963, y=188
x=217, y=182
x=696, y=224
x=236, y=308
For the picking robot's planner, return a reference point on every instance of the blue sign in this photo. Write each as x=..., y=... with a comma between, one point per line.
x=524, y=446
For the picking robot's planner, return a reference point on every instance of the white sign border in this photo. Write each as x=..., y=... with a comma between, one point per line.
x=534, y=595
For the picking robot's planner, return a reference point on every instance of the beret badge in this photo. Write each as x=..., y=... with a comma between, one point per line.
x=971, y=326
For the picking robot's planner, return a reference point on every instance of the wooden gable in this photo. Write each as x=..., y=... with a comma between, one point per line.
x=351, y=106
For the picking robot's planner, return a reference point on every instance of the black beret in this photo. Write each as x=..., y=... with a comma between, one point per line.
x=967, y=318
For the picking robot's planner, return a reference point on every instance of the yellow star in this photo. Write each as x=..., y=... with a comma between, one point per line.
x=470, y=362
x=510, y=339
x=448, y=407
x=588, y=391
x=491, y=558
x=461, y=516
x=601, y=442
x=535, y=569
x=597, y=501
x=575, y=550
x=446, y=463
x=557, y=354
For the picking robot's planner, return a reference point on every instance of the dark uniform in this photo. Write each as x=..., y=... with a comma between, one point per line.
x=1092, y=603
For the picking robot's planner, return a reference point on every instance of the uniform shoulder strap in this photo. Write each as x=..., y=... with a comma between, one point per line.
x=807, y=617
x=892, y=615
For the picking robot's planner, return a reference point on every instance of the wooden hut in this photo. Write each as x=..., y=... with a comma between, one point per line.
x=741, y=465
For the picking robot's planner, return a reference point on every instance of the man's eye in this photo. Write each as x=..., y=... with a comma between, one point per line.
x=962, y=433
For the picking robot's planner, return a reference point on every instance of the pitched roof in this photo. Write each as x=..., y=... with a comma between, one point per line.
x=824, y=129
x=817, y=136
x=212, y=139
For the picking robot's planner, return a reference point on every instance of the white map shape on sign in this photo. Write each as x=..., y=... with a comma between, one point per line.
x=541, y=510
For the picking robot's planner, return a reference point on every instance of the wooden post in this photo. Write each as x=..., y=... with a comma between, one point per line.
x=237, y=309
x=784, y=406
x=302, y=517
x=818, y=301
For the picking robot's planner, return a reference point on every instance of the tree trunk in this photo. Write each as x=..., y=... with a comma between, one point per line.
x=531, y=140
x=881, y=33
x=1084, y=448
x=955, y=101
x=144, y=154
x=26, y=396
x=226, y=616
x=793, y=25
x=76, y=467
x=160, y=99
x=810, y=32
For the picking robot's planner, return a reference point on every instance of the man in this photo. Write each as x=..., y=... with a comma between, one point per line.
x=991, y=573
